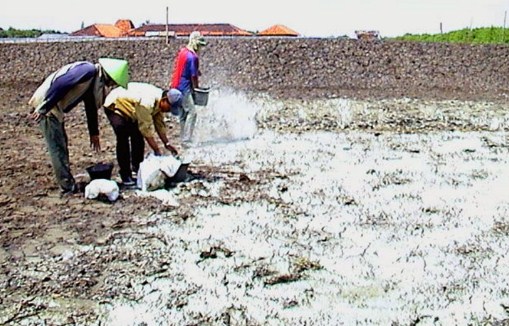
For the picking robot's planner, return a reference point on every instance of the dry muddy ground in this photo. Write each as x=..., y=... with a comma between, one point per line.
x=387, y=212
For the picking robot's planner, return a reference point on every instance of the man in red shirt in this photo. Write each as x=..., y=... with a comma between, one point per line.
x=186, y=72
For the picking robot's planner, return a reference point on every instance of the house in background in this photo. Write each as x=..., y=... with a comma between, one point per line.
x=367, y=35
x=120, y=29
x=187, y=29
x=125, y=28
x=278, y=30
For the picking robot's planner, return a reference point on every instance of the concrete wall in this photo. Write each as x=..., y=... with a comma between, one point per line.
x=298, y=67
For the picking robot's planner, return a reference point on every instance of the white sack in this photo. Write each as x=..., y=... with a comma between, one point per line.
x=169, y=165
x=154, y=170
x=102, y=187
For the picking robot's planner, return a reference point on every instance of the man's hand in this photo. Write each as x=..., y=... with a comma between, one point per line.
x=36, y=116
x=170, y=148
x=95, y=143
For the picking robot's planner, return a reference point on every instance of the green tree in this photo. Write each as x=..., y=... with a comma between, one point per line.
x=482, y=35
x=20, y=33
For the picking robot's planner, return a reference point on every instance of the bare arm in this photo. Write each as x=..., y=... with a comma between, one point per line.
x=153, y=144
x=194, y=80
x=166, y=143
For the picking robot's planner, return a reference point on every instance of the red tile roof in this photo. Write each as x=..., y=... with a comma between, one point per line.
x=120, y=29
x=186, y=29
x=278, y=30
x=124, y=25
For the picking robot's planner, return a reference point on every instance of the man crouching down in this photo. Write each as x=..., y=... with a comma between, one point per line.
x=138, y=113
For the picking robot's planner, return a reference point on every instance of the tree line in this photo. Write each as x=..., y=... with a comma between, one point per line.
x=31, y=33
x=481, y=35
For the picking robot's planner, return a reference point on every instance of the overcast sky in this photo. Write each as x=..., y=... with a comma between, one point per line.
x=321, y=18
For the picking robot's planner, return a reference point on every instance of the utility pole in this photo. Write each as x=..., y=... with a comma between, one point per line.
x=167, y=37
x=503, y=29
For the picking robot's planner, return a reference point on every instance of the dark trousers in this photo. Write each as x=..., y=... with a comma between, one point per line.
x=130, y=143
x=56, y=139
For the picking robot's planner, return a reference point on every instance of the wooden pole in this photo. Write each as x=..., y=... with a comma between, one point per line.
x=503, y=29
x=167, y=37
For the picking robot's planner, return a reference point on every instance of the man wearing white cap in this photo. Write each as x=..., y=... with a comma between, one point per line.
x=138, y=113
x=60, y=92
x=185, y=78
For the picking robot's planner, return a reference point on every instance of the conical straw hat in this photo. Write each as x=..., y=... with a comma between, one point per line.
x=117, y=69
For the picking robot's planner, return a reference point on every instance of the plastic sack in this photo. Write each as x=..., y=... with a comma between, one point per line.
x=97, y=187
x=154, y=170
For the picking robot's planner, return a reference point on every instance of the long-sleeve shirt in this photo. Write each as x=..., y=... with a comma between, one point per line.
x=62, y=90
x=139, y=102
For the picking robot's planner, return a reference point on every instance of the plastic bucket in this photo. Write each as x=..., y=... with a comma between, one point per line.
x=180, y=176
x=100, y=171
x=201, y=96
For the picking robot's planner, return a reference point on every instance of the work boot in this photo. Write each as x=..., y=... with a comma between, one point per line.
x=128, y=183
x=75, y=189
x=186, y=144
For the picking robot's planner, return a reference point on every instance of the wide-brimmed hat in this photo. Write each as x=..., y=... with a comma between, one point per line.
x=196, y=38
x=117, y=69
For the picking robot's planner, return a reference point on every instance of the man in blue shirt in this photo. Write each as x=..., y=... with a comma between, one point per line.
x=60, y=92
x=186, y=72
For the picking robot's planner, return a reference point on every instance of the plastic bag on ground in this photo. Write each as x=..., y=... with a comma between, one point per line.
x=154, y=170
x=106, y=187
